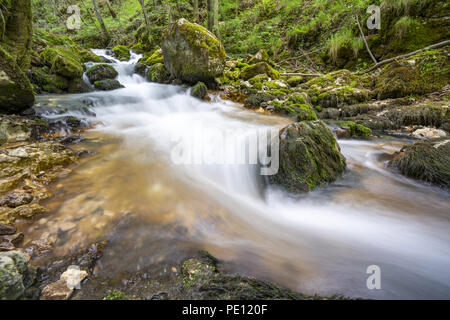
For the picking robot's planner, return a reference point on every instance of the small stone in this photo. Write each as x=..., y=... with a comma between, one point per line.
x=429, y=133
x=16, y=199
x=56, y=291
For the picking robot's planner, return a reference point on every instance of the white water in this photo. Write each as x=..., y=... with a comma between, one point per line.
x=324, y=240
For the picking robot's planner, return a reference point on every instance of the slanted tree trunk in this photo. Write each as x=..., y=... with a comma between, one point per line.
x=195, y=14
x=169, y=11
x=100, y=19
x=111, y=11
x=144, y=12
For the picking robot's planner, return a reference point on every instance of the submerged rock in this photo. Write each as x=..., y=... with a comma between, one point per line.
x=107, y=85
x=101, y=72
x=309, y=157
x=199, y=90
x=427, y=160
x=192, y=53
x=351, y=129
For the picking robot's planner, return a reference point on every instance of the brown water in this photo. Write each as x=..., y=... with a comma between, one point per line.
x=153, y=210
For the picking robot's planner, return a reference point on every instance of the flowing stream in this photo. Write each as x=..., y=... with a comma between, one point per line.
x=156, y=211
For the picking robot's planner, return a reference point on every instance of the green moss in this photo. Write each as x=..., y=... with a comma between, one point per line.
x=121, y=52
x=116, y=295
x=199, y=90
x=257, y=69
x=356, y=130
x=63, y=61
x=295, y=81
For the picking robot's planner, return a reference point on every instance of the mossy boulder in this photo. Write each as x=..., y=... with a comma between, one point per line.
x=309, y=157
x=63, y=61
x=88, y=56
x=140, y=69
x=259, y=98
x=421, y=74
x=295, y=81
x=45, y=81
x=101, y=72
x=158, y=73
x=298, y=111
x=155, y=57
x=15, y=275
x=251, y=71
x=203, y=281
x=427, y=160
x=192, y=53
x=351, y=129
x=107, y=85
x=121, y=52
x=260, y=56
x=16, y=92
x=199, y=90
x=337, y=89
x=78, y=86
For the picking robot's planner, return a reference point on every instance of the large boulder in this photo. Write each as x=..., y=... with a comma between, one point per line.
x=107, y=85
x=158, y=73
x=309, y=157
x=101, y=72
x=427, y=160
x=16, y=93
x=63, y=61
x=192, y=53
x=15, y=275
x=121, y=52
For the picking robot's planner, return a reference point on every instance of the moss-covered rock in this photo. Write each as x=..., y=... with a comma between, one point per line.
x=295, y=81
x=427, y=160
x=15, y=274
x=16, y=93
x=309, y=157
x=78, y=86
x=158, y=73
x=421, y=74
x=107, y=85
x=121, y=52
x=63, y=61
x=257, y=69
x=203, y=281
x=260, y=56
x=298, y=111
x=89, y=56
x=192, y=53
x=140, y=69
x=45, y=81
x=354, y=130
x=101, y=72
x=199, y=90
x=257, y=99
x=155, y=57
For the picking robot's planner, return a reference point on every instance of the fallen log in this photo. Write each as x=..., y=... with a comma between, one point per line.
x=302, y=74
x=382, y=63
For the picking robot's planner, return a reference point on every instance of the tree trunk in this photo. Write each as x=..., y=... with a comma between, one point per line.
x=111, y=11
x=169, y=11
x=100, y=20
x=144, y=11
x=209, y=8
x=216, y=17
x=195, y=14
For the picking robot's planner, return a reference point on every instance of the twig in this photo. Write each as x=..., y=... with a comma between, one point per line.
x=365, y=41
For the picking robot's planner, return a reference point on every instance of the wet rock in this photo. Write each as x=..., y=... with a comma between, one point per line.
x=429, y=133
x=121, y=52
x=259, y=98
x=101, y=72
x=63, y=288
x=199, y=90
x=27, y=211
x=78, y=86
x=7, y=230
x=10, y=242
x=158, y=73
x=192, y=53
x=15, y=275
x=309, y=157
x=15, y=199
x=427, y=160
x=140, y=69
x=351, y=129
x=107, y=85
x=72, y=139
x=202, y=281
